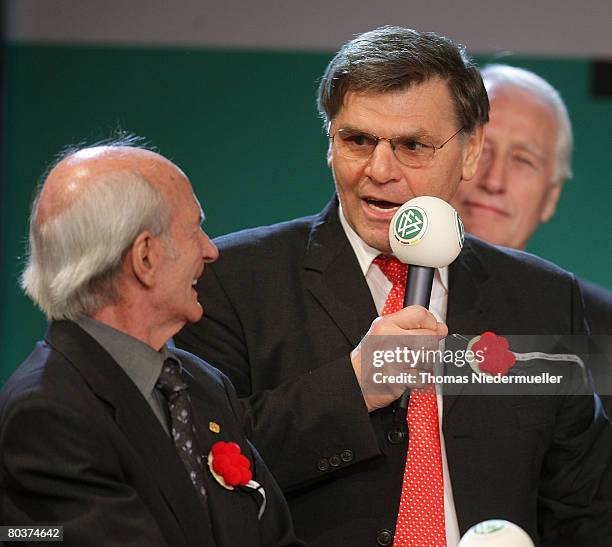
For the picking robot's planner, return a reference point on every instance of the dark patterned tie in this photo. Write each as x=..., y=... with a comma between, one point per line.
x=183, y=432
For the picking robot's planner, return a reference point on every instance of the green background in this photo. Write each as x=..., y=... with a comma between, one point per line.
x=243, y=125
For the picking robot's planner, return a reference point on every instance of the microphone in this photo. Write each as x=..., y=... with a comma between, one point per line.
x=426, y=233
x=496, y=533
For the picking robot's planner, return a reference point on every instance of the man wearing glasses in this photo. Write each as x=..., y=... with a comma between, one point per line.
x=288, y=305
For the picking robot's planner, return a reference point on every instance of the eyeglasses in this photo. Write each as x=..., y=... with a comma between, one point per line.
x=359, y=145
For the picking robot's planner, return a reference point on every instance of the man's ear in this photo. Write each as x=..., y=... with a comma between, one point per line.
x=472, y=151
x=144, y=257
x=550, y=201
x=329, y=154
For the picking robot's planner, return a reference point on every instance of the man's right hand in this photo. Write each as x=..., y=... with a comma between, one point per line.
x=414, y=321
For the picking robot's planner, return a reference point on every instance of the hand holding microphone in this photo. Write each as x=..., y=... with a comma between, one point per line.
x=426, y=233
x=415, y=321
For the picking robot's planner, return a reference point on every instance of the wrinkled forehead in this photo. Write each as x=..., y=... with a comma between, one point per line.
x=426, y=107
x=518, y=96
x=524, y=110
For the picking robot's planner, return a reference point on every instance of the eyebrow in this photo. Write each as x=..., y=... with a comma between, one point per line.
x=532, y=149
x=417, y=134
x=522, y=147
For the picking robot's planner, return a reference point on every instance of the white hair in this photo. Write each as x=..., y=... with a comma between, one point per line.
x=504, y=76
x=75, y=257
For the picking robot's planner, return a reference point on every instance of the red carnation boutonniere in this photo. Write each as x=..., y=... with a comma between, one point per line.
x=228, y=465
x=232, y=470
x=497, y=359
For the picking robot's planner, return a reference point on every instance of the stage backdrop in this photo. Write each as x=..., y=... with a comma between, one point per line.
x=243, y=126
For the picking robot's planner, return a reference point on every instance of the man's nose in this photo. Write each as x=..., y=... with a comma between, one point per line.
x=383, y=166
x=210, y=253
x=494, y=173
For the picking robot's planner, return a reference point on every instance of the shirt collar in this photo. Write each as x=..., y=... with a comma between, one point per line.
x=366, y=254
x=137, y=359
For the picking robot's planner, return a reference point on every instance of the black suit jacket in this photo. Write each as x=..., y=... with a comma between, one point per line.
x=81, y=447
x=598, y=309
x=284, y=306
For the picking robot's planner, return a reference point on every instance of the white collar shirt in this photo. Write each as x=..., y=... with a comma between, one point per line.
x=379, y=287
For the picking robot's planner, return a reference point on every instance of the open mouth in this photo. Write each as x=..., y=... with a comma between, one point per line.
x=382, y=206
x=194, y=282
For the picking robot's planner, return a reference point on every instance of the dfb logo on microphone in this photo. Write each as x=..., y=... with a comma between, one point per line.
x=460, y=229
x=410, y=226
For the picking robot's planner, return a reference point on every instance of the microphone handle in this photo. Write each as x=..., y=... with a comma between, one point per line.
x=418, y=286
x=419, y=282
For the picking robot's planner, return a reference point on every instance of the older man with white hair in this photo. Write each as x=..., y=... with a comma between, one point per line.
x=525, y=160
x=105, y=430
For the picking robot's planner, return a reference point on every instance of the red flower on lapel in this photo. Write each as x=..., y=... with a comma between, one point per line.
x=228, y=465
x=497, y=357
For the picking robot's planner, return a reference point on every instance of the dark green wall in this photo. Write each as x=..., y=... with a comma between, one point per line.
x=243, y=126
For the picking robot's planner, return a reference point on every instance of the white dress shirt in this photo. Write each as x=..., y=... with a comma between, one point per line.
x=379, y=287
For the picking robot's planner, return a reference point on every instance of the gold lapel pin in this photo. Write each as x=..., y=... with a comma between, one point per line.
x=214, y=427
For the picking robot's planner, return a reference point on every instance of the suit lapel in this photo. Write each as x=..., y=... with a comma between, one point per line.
x=470, y=297
x=469, y=285
x=333, y=276
x=207, y=409
x=140, y=426
x=469, y=300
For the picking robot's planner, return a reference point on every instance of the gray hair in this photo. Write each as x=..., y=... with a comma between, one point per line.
x=394, y=58
x=75, y=257
x=504, y=76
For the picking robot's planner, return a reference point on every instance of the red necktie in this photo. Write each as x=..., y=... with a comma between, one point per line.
x=420, y=519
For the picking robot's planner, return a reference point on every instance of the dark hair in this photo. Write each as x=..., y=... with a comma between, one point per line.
x=394, y=58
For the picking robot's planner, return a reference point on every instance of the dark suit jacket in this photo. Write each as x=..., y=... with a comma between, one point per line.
x=285, y=305
x=81, y=447
x=598, y=309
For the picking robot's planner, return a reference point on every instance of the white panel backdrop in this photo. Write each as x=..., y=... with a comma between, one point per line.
x=538, y=27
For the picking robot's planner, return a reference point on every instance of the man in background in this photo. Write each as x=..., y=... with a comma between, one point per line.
x=287, y=307
x=526, y=159
x=104, y=429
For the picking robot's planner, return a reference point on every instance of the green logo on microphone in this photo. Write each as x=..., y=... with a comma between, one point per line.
x=460, y=229
x=489, y=527
x=410, y=225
